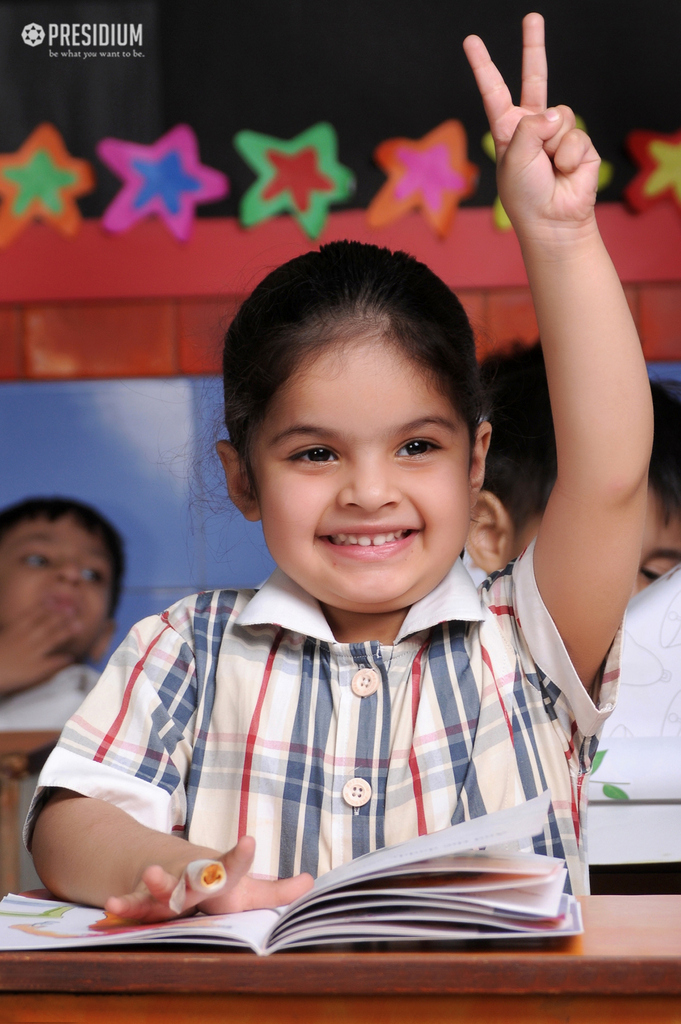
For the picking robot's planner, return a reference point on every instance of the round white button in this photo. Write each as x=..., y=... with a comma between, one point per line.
x=357, y=792
x=365, y=682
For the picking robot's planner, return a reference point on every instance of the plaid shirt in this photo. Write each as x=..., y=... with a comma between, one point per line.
x=234, y=713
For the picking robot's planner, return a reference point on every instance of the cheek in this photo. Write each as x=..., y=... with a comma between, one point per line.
x=291, y=507
x=19, y=590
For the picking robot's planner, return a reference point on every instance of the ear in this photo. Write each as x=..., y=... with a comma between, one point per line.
x=101, y=644
x=491, y=537
x=476, y=473
x=238, y=484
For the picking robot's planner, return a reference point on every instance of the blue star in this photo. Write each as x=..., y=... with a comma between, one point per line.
x=164, y=178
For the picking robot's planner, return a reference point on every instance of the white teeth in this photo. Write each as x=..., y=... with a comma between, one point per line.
x=364, y=541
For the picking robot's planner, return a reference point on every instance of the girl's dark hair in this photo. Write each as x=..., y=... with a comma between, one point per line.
x=332, y=295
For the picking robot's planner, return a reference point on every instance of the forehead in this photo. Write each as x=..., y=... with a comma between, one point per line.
x=65, y=531
x=361, y=383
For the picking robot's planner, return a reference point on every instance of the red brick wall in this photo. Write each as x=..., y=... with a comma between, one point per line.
x=164, y=337
x=143, y=304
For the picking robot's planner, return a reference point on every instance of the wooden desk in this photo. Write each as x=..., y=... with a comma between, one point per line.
x=626, y=968
x=21, y=754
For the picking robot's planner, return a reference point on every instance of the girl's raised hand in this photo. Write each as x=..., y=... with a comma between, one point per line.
x=153, y=899
x=547, y=170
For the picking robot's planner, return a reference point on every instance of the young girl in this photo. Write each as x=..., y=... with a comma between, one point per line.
x=367, y=693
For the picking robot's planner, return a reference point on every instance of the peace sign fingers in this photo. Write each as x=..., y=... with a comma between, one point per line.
x=496, y=97
x=535, y=70
x=502, y=114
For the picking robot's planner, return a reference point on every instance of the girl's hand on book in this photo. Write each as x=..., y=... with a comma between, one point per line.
x=153, y=901
x=547, y=170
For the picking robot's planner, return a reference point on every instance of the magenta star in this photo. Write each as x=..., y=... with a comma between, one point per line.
x=430, y=171
x=166, y=179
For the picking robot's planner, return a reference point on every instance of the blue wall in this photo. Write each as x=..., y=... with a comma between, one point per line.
x=141, y=451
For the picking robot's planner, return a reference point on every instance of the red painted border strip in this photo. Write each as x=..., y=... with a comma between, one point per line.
x=224, y=259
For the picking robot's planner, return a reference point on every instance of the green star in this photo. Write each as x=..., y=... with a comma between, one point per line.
x=301, y=176
x=39, y=180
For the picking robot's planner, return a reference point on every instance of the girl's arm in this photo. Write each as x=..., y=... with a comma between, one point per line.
x=588, y=545
x=90, y=851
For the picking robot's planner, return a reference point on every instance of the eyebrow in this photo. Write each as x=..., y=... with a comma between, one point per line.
x=414, y=427
x=47, y=538
x=664, y=553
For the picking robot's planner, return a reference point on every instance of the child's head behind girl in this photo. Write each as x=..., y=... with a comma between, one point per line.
x=353, y=405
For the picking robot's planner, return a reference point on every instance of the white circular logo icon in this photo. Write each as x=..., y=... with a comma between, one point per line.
x=33, y=34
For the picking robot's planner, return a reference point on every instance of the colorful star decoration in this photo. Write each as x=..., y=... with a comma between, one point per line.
x=501, y=221
x=40, y=182
x=166, y=179
x=301, y=176
x=659, y=157
x=431, y=174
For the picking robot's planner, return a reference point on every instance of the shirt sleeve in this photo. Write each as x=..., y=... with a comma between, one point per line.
x=550, y=654
x=131, y=740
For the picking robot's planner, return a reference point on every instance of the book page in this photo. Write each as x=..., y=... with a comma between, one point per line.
x=505, y=826
x=52, y=924
x=649, y=700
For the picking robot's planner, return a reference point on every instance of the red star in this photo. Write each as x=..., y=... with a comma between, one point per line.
x=298, y=173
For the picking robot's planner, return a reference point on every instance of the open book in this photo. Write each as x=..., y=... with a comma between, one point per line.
x=440, y=887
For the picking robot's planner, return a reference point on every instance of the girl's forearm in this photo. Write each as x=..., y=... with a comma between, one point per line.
x=86, y=850
x=600, y=395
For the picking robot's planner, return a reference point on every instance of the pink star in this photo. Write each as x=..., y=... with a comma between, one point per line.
x=432, y=174
x=428, y=170
x=166, y=179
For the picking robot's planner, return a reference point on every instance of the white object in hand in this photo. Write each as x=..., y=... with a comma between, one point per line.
x=206, y=876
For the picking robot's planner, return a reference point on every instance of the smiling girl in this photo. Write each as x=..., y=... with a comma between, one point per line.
x=367, y=693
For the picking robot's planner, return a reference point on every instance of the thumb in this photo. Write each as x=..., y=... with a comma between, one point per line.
x=530, y=136
x=238, y=860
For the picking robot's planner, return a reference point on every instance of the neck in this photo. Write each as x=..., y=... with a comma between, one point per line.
x=358, y=627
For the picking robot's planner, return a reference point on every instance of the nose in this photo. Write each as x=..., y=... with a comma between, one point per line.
x=369, y=485
x=69, y=572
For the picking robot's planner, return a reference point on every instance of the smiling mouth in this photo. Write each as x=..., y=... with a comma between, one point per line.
x=363, y=540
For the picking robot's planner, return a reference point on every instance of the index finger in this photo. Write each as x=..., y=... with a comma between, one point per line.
x=535, y=70
x=495, y=94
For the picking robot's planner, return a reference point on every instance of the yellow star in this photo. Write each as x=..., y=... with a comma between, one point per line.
x=668, y=172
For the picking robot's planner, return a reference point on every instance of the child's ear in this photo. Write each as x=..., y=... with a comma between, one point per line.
x=491, y=536
x=101, y=644
x=238, y=484
x=476, y=474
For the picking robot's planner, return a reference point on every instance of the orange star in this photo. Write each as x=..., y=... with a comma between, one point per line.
x=432, y=174
x=40, y=182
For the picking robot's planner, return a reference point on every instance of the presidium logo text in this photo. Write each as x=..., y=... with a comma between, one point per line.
x=80, y=35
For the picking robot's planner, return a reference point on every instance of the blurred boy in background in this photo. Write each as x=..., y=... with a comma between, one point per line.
x=61, y=565
x=521, y=469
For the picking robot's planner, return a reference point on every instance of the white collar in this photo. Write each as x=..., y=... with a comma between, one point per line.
x=280, y=601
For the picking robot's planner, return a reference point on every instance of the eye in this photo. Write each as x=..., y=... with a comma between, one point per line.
x=315, y=455
x=36, y=561
x=416, y=447
x=91, y=576
x=649, y=574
